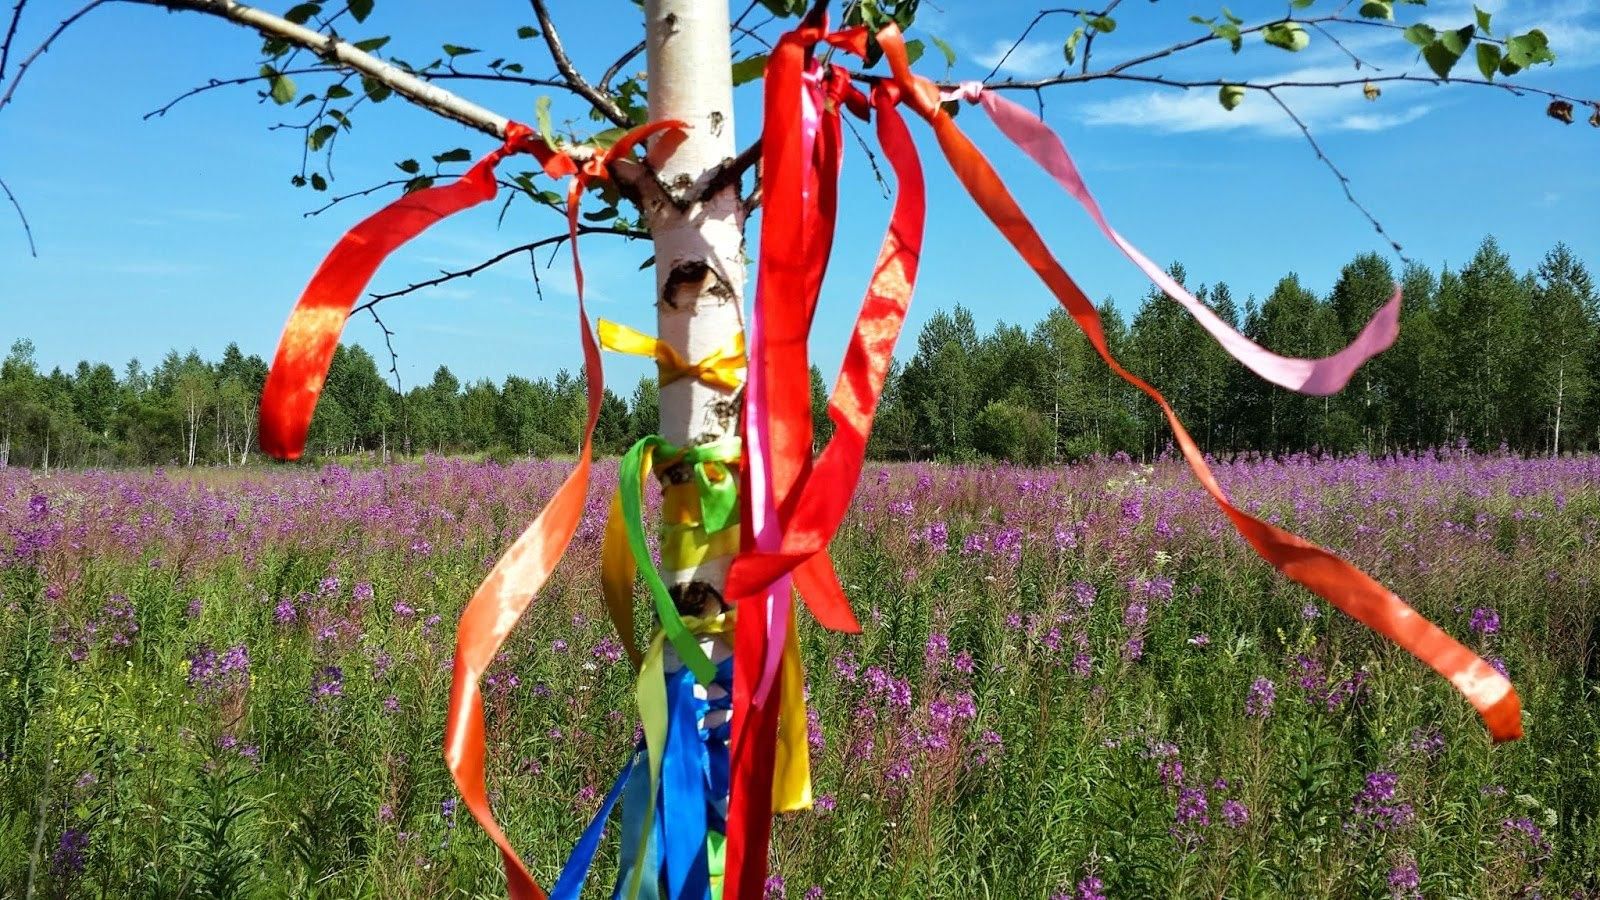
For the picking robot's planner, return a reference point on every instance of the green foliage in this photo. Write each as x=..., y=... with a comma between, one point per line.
x=1291, y=36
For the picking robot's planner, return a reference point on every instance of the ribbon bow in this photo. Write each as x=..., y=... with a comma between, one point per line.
x=719, y=369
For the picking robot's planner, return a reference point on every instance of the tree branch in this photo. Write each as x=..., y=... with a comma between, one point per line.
x=731, y=171
x=11, y=32
x=215, y=83
x=42, y=49
x=333, y=50
x=604, y=104
x=445, y=276
x=1344, y=180
x=34, y=251
x=616, y=67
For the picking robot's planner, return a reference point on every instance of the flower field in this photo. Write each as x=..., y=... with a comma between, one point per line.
x=1072, y=682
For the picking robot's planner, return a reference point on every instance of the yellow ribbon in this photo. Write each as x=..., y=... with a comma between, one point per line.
x=720, y=369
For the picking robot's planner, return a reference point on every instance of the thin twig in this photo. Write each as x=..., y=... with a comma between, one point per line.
x=215, y=83
x=1040, y=17
x=32, y=250
x=394, y=358
x=11, y=32
x=872, y=159
x=444, y=276
x=496, y=76
x=1359, y=62
x=335, y=201
x=624, y=59
x=43, y=48
x=1344, y=180
x=333, y=50
x=602, y=103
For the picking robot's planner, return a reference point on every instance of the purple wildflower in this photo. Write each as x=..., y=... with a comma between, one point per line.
x=1263, y=693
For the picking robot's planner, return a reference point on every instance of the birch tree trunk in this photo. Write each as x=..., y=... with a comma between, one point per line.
x=700, y=246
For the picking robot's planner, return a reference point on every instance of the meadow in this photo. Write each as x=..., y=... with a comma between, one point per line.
x=1071, y=683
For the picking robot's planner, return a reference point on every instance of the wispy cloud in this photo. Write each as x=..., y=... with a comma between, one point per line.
x=1031, y=59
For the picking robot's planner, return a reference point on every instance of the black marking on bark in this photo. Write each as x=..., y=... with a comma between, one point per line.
x=689, y=273
x=696, y=598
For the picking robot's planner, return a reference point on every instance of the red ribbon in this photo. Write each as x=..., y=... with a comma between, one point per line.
x=819, y=494
x=306, y=348
x=1340, y=583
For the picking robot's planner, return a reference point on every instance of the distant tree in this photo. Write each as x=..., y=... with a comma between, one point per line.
x=1564, y=315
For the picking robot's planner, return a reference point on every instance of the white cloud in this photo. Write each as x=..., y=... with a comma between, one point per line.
x=1381, y=121
x=1030, y=59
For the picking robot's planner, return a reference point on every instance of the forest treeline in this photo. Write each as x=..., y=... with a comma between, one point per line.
x=1486, y=356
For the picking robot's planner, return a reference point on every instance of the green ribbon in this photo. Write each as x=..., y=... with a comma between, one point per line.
x=721, y=496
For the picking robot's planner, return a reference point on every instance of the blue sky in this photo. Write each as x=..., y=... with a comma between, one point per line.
x=183, y=231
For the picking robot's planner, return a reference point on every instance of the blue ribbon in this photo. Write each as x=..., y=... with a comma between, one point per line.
x=683, y=793
x=569, y=886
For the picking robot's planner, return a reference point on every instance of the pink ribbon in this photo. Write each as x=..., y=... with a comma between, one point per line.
x=1318, y=377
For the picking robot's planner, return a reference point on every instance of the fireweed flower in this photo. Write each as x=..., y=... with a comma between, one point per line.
x=1263, y=693
x=1235, y=814
x=774, y=887
x=1404, y=880
x=1485, y=622
x=814, y=892
x=71, y=853
x=327, y=685
x=1375, y=807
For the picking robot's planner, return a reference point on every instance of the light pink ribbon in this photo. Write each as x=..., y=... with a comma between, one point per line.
x=1318, y=377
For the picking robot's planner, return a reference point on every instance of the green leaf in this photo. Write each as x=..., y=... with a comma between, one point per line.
x=1228, y=13
x=1289, y=36
x=453, y=51
x=1230, y=33
x=409, y=166
x=511, y=67
x=601, y=215
x=945, y=48
x=749, y=69
x=1447, y=49
x=459, y=154
x=1230, y=96
x=608, y=137
x=318, y=183
x=371, y=44
x=1070, y=49
x=527, y=31
x=1488, y=60
x=1378, y=9
x=321, y=136
x=550, y=198
x=541, y=120
x=1301, y=4
x=1102, y=24
x=339, y=92
x=418, y=183
x=1483, y=19
x=1529, y=49
x=282, y=88
x=360, y=9
x=302, y=13
x=375, y=90
x=1420, y=34
x=914, y=51
x=650, y=261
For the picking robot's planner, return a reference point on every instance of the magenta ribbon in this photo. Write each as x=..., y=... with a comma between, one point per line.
x=1318, y=377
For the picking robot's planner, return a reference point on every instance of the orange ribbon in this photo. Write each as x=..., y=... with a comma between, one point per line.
x=1351, y=590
